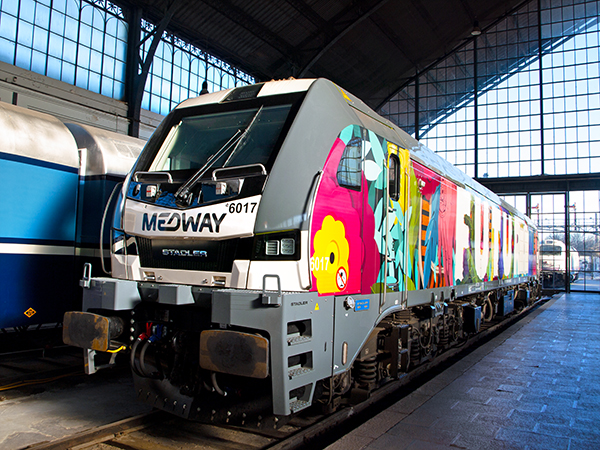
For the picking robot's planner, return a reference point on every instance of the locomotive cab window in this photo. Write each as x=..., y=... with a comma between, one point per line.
x=349, y=172
x=394, y=177
x=244, y=137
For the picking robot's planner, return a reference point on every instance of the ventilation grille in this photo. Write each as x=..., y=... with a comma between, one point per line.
x=210, y=256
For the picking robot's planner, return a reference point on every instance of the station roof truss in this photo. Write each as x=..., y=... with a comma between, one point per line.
x=372, y=48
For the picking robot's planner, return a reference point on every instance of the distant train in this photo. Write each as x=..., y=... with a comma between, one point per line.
x=553, y=256
x=56, y=179
x=281, y=245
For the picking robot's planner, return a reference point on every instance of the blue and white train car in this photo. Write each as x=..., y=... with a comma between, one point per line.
x=55, y=180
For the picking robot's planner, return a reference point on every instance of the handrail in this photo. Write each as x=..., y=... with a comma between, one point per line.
x=155, y=174
x=234, y=168
x=106, y=208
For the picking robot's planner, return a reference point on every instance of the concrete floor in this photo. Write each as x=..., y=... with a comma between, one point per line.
x=65, y=407
x=535, y=386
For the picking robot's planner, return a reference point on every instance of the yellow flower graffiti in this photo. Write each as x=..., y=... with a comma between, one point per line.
x=329, y=263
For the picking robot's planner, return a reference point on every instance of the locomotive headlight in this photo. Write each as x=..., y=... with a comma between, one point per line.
x=272, y=248
x=277, y=246
x=288, y=246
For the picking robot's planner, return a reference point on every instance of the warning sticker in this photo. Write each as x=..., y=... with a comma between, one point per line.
x=341, y=278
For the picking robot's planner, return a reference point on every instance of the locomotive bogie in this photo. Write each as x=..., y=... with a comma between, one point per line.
x=297, y=331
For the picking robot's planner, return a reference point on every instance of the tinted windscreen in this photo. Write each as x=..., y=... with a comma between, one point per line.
x=550, y=249
x=246, y=137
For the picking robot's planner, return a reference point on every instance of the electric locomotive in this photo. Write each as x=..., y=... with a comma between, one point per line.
x=280, y=245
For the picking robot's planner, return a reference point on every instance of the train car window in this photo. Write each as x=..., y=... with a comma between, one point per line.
x=349, y=173
x=394, y=177
x=550, y=249
x=195, y=139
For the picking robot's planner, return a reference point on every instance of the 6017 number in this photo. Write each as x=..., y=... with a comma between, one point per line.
x=238, y=208
x=318, y=264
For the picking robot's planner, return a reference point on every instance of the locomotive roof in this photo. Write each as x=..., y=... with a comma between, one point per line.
x=365, y=115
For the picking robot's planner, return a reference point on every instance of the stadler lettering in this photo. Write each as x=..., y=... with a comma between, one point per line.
x=176, y=252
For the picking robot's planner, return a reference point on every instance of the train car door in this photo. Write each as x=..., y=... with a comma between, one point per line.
x=395, y=219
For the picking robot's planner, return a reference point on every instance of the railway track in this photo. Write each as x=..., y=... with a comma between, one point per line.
x=161, y=431
x=38, y=366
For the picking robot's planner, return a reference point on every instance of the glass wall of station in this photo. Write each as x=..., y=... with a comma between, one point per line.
x=584, y=240
x=569, y=239
x=548, y=214
x=523, y=99
x=84, y=43
x=78, y=42
x=178, y=71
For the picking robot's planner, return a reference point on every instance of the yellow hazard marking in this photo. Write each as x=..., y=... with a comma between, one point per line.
x=345, y=96
x=317, y=307
x=30, y=312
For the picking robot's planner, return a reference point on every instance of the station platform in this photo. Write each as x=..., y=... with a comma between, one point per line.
x=534, y=386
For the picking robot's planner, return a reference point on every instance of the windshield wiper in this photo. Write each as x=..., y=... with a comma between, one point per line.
x=242, y=140
x=183, y=195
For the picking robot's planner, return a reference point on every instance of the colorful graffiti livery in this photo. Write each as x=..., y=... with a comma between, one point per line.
x=434, y=234
x=329, y=262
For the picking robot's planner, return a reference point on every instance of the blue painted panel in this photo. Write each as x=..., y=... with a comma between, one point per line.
x=39, y=201
x=45, y=283
x=93, y=195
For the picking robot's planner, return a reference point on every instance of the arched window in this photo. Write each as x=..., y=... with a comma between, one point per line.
x=349, y=172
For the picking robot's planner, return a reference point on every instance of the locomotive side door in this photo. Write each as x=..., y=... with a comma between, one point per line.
x=395, y=222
